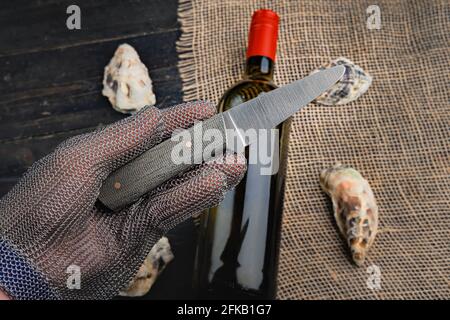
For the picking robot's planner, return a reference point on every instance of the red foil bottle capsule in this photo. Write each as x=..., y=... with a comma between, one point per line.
x=262, y=38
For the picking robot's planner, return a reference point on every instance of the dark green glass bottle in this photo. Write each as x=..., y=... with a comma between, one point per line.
x=238, y=244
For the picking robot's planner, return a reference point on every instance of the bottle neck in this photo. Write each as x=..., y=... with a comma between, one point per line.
x=259, y=68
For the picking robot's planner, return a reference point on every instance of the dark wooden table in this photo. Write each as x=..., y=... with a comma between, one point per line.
x=51, y=82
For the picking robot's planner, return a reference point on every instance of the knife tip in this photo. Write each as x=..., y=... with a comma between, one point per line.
x=339, y=71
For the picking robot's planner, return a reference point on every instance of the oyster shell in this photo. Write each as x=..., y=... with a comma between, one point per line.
x=160, y=255
x=126, y=82
x=354, y=206
x=353, y=84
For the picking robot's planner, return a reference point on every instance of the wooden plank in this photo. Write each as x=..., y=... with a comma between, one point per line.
x=6, y=184
x=49, y=92
x=37, y=117
x=51, y=80
x=33, y=25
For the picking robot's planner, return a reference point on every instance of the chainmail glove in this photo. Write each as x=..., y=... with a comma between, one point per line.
x=52, y=226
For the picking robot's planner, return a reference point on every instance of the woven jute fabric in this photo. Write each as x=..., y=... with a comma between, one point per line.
x=397, y=135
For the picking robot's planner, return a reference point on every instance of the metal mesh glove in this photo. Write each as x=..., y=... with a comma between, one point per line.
x=51, y=224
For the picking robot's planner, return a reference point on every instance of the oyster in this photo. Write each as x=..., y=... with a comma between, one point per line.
x=160, y=255
x=354, y=206
x=126, y=82
x=353, y=84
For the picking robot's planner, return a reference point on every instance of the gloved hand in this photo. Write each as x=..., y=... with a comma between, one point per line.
x=51, y=225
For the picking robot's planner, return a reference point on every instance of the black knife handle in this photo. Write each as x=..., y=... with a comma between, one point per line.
x=155, y=166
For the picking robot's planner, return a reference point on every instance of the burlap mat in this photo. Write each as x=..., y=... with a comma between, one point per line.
x=397, y=135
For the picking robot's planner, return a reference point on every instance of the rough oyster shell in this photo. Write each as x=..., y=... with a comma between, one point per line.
x=354, y=206
x=353, y=84
x=160, y=255
x=126, y=82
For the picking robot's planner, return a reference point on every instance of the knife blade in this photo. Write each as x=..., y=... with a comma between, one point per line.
x=157, y=165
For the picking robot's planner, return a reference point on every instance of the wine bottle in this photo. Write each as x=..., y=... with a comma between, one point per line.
x=237, y=250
